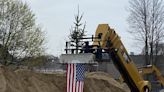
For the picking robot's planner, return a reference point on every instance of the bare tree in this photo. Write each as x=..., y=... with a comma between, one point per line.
x=77, y=31
x=19, y=35
x=146, y=21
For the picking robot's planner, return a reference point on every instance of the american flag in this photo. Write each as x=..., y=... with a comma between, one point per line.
x=75, y=77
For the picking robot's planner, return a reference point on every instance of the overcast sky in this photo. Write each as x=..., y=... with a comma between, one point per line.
x=57, y=16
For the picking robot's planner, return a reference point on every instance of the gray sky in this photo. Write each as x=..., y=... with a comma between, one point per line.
x=57, y=16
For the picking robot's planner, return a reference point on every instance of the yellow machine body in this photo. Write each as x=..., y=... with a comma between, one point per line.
x=111, y=42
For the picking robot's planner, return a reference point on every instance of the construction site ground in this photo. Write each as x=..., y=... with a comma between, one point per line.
x=28, y=81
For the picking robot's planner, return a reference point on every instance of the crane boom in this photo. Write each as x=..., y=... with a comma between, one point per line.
x=110, y=42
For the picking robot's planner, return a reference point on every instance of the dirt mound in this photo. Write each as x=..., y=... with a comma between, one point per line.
x=27, y=81
x=101, y=82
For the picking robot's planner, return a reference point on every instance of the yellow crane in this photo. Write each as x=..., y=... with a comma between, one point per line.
x=106, y=42
x=112, y=44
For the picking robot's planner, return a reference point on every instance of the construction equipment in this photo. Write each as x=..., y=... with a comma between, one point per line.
x=151, y=69
x=107, y=43
x=154, y=74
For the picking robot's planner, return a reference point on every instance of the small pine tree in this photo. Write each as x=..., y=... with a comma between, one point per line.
x=77, y=31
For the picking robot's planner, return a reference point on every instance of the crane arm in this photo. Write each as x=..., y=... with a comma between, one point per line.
x=111, y=42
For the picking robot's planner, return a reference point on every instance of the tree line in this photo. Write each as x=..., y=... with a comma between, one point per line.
x=21, y=37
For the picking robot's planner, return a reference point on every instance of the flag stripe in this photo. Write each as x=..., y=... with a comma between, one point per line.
x=77, y=87
x=74, y=79
x=82, y=86
x=71, y=81
x=68, y=79
x=72, y=76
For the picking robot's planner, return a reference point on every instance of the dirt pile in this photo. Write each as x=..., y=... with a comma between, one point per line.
x=102, y=82
x=26, y=81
